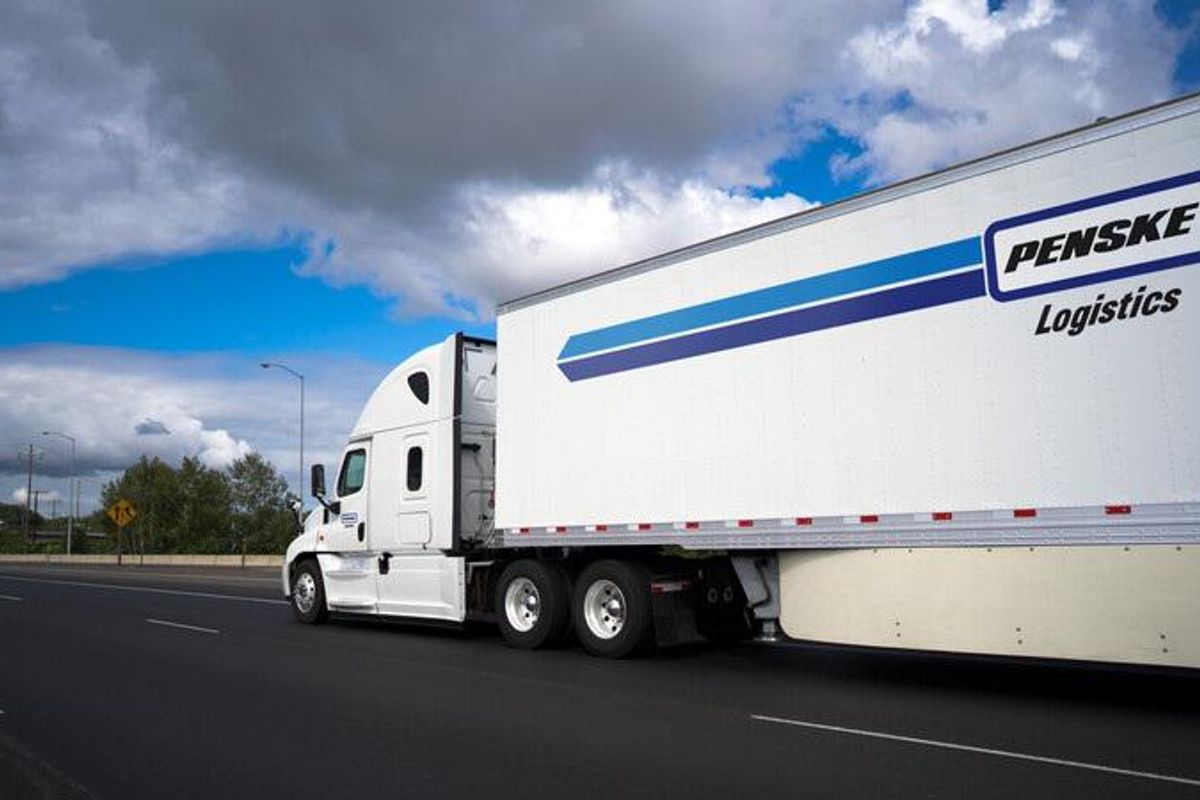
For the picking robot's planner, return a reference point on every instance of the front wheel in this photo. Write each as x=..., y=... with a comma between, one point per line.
x=533, y=604
x=613, y=617
x=308, y=593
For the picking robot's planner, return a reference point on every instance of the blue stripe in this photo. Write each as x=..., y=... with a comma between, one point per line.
x=909, y=266
x=940, y=291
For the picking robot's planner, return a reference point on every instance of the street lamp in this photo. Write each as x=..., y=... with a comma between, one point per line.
x=71, y=511
x=285, y=368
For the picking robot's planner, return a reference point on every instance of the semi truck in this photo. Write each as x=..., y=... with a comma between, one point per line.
x=959, y=413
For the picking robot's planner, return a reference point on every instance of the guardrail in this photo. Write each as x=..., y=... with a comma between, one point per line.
x=137, y=560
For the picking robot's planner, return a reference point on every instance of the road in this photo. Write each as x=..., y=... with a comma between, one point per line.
x=154, y=682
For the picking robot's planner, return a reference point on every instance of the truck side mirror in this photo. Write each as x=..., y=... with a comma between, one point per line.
x=318, y=480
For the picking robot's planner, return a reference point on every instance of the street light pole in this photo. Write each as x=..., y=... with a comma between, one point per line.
x=71, y=490
x=295, y=374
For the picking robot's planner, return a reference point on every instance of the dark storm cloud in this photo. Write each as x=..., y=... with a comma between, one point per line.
x=151, y=427
x=390, y=104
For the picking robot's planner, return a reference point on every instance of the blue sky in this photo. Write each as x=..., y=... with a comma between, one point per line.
x=251, y=302
x=166, y=225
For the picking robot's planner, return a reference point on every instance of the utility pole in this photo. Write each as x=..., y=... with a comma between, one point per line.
x=28, y=494
x=297, y=375
x=72, y=487
x=37, y=493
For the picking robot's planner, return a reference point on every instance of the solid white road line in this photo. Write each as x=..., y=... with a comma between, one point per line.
x=181, y=626
x=146, y=589
x=12, y=598
x=1061, y=762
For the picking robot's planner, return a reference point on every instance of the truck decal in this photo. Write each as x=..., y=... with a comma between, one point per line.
x=1121, y=234
x=909, y=297
x=734, y=322
x=1054, y=249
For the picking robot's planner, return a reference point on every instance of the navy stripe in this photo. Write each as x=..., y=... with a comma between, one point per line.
x=850, y=280
x=940, y=291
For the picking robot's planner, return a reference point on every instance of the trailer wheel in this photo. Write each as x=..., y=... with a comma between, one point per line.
x=308, y=593
x=533, y=604
x=613, y=617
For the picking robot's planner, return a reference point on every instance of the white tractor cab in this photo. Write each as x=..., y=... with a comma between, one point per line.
x=413, y=494
x=408, y=533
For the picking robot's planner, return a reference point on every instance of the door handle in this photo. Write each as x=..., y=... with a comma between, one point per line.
x=362, y=530
x=385, y=563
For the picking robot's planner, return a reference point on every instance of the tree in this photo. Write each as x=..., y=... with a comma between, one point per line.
x=262, y=505
x=205, y=498
x=150, y=485
x=197, y=509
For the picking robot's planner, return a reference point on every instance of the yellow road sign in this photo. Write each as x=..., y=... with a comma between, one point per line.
x=122, y=512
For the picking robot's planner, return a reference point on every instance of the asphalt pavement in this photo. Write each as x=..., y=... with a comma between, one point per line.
x=158, y=682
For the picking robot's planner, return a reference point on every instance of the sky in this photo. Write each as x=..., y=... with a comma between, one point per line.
x=191, y=187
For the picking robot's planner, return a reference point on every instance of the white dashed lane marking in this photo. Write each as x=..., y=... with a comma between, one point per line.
x=168, y=624
x=987, y=751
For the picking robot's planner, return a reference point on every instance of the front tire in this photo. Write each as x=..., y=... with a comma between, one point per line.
x=613, y=617
x=308, y=593
x=533, y=604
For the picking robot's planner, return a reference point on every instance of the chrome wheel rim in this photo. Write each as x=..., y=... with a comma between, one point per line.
x=604, y=609
x=522, y=604
x=304, y=593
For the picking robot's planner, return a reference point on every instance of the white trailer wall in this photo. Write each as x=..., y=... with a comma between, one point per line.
x=958, y=406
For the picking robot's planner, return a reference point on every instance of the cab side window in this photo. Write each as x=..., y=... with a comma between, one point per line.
x=416, y=458
x=418, y=384
x=353, y=474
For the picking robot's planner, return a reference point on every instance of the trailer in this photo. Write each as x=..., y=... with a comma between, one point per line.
x=959, y=413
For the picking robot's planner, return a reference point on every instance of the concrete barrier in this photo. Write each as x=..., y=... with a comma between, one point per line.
x=167, y=559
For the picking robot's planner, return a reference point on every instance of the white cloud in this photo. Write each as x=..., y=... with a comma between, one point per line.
x=45, y=499
x=951, y=81
x=214, y=408
x=516, y=239
x=454, y=155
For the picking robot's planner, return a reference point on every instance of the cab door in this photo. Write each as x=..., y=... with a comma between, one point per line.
x=349, y=567
x=415, y=579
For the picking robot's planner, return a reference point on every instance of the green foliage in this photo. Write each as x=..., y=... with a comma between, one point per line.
x=10, y=517
x=195, y=509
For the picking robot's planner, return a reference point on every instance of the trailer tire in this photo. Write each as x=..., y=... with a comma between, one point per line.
x=308, y=593
x=533, y=604
x=613, y=615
